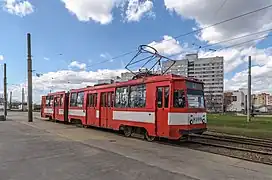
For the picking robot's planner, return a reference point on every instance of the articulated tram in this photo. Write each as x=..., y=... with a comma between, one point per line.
x=168, y=106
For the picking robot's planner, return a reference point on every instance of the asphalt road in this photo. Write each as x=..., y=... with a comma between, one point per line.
x=27, y=153
x=47, y=150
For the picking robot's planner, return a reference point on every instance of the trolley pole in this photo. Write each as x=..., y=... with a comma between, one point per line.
x=5, y=91
x=249, y=90
x=10, y=100
x=23, y=98
x=29, y=72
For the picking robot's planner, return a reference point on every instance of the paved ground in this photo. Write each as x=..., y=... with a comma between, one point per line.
x=46, y=150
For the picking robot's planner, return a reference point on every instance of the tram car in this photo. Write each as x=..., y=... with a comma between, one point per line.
x=168, y=106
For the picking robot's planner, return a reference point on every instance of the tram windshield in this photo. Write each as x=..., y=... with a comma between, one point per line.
x=195, y=98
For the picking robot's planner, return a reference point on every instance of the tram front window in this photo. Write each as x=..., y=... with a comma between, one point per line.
x=179, y=99
x=195, y=98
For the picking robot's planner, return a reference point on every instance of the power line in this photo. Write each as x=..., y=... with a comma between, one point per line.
x=222, y=5
x=188, y=33
x=240, y=37
x=111, y=59
x=238, y=44
x=227, y=47
x=224, y=21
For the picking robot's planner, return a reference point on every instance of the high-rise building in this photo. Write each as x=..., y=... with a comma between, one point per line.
x=209, y=70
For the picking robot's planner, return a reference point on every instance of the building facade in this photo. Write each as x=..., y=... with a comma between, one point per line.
x=209, y=70
x=234, y=101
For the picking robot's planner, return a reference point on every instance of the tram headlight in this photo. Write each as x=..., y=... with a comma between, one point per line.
x=191, y=121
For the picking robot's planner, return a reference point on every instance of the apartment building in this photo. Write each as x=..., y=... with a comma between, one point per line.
x=235, y=101
x=209, y=70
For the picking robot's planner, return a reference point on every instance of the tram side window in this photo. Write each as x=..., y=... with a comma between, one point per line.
x=51, y=100
x=179, y=99
x=121, y=97
x=61, y=100
x=92, y=100
x=159, y=97
x=103, y=101
x=110, y=99
x=73, y=99
x=137, y=97
x=166, y=97
x=47, y=101
x=56, y=102
x=80, y=99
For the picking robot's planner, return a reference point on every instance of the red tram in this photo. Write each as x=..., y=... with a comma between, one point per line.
x=167, y=106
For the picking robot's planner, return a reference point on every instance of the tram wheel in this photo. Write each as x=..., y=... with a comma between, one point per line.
x=149, y=138
x=127, y=131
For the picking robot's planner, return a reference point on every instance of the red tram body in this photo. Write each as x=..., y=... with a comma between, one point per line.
x=55, y=106
x=168, y=106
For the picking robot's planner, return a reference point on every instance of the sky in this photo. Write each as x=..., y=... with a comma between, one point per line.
x=75, y=42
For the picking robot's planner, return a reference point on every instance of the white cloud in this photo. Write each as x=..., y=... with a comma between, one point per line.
x=233, y=57
x=78, y=65
x=1, y=57
x=204, y=15
x=261, y=79
x=168, y=46
x=46, y=58
x=18, y=7
x=63, y=80
x=96, y=10
x=101, y=10
x=137, y=9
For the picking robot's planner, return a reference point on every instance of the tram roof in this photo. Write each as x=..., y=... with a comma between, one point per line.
x=149, y=79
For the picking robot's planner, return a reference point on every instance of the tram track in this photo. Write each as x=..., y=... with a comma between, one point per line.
x=239, y=147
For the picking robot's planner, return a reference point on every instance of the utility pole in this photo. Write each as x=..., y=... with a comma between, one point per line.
x=23, y=98
x=249, y=90
x=10, y=100
x=5, y=90
x=29, y=72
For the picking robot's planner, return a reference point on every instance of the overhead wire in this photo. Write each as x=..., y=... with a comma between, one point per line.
x=238, y=44
x=221, y=6
x=236, y=38
x=191, y=32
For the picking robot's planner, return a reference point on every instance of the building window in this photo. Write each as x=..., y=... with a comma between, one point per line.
x=121, y=97
x=234, y=98
x=137, y=96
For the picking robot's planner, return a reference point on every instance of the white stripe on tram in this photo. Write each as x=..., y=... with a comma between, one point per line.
x=61, y=111
x=144, y=117
x=48, y=110
x=178, y=119
x=76, y=112
x=185, y=118
x=97, y=113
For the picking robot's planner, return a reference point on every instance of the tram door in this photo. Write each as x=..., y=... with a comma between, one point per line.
x=106, y=108
x=162, y=109
x=91, y=118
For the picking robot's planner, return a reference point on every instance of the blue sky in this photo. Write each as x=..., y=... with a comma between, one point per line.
x=58, y=27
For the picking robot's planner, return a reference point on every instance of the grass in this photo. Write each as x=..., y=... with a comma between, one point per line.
x=260, y=127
